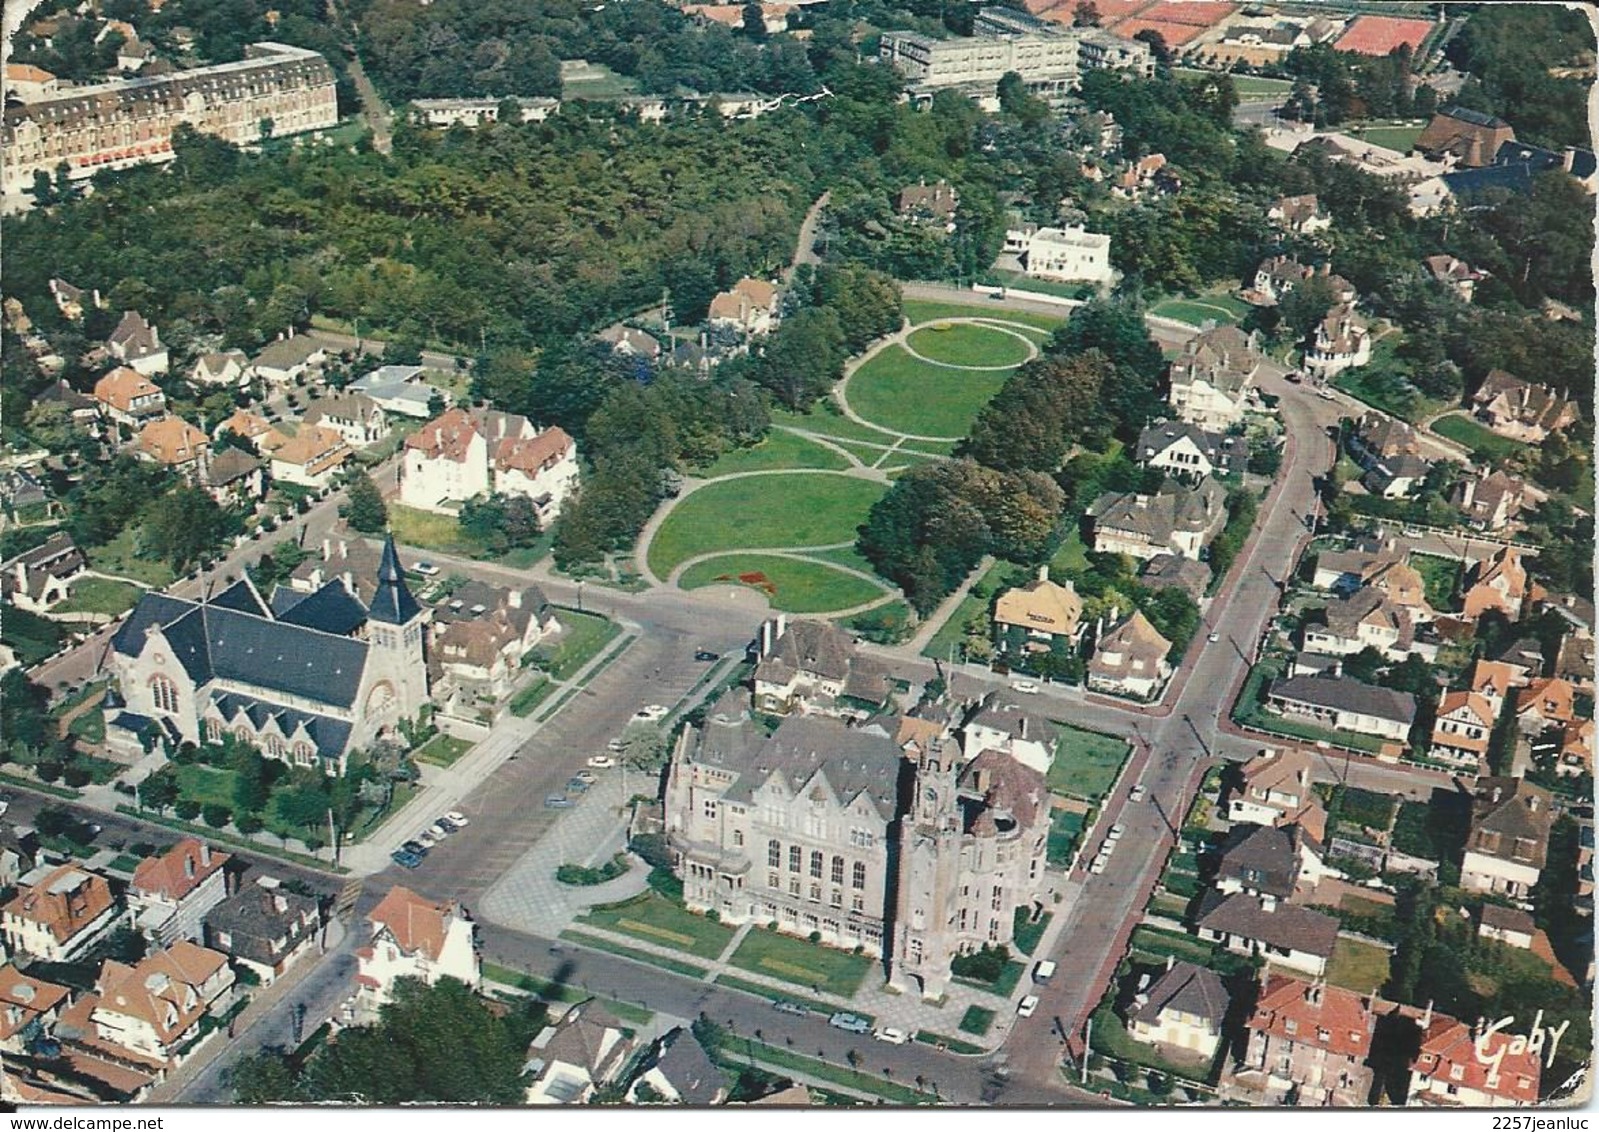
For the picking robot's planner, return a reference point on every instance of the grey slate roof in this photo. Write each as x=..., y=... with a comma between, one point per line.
x=1156, y=517
x=254, y=917
x=330, y=735
x=1285, y=926
x=1262, y=858
x=240, y=596
x=393, y=602
x=1176, y=571
x=1187, y=988
x=852, y=760
x=1341, y=694
x=1228, y=452
x=332, y=609
x=692, y=1073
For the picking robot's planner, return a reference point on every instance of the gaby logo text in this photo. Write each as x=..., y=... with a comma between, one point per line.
x=1544, y=1040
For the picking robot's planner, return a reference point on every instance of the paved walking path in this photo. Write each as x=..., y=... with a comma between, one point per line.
x=946, y=609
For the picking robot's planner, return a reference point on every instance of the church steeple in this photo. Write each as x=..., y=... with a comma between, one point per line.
x=393, y=602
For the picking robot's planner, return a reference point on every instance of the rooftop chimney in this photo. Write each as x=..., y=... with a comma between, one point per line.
x=1170, y=960
x=1043, y=573
x=205, y=854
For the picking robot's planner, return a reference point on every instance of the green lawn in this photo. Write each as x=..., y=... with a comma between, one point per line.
x=443, y=750
x=844, y=556
x=651, y=917
x=120, y=556
x=1246, y=86
x=1383, y=384
x=924, y=310
x=1086, y=763
x=1396, y=136
x=779, y=450
x=1111, y=1038
x=1021, y=281
x=1441, y=577
x=954, y=1045
x=976, y=1020
x=790, y=585
x=429, y=531
x=826, y=420
x=100, y=595
x=33, y=637
x=906, y=394
x=972, y=609
x=968, y=344
x=1026, y=931
x=805, y=964
x=1357, y=966
x=1009, y=976
x=1486, y=446
x=803, y=509
x=738, y=1050
x=1065, y=828
x=676, y=966
x=582, y=636
x=530, y=697
x=1072, y=554
x=207, y=785
x=1196, y=311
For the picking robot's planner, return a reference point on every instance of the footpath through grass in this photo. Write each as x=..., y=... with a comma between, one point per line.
x=779, y=450
x=902, y=392
x=968, y=344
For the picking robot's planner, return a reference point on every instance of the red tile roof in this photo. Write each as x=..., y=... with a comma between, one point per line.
x=530, y=455
x=1448, y=1043
x=415, y=924
x=1329, y=1017
x=178, y=871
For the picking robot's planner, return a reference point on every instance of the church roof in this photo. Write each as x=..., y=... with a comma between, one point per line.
x=393, y=602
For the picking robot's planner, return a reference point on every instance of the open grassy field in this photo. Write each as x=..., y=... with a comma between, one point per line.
x=206, y=785
x=1357, y=966
x=120, y=556
x=826, y=421
x=429, y=531
x=651, y=917
x=904, y=393
x=790, y=585
x=1396, y=136
x=802, y=963
x=779, y=450
x=815, y=509
x=1486, y=446
x=442, y=750
x=100, y=595
x=967, y=344
x=922, y=310
x=1086, y=763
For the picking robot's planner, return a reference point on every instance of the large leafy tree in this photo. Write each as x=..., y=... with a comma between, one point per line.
x=364, y=508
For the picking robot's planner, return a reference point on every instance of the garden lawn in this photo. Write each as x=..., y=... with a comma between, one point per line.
x=119, y=557
x=1009, y=976
x=1026, y=932
x=1071, y=555
x=803, y=509
x=1086, y=763
x=1196, y=311
x=1357, y=966
x=908, y=395
x=1065, y=828
x=582, y=636
x=100, y=595
x=676, y=966
x=651, y=917
x=790, y=585
x=827, y=421
x=976, y=1020
x=1441, y=578
x=33, y=637
x=443, y=750
x=1399, y=138
x=801, y=962
x=1485, y=445
x=208, y=785
x=779, y=450
x=968, y=344
x=525, y=700
x=415, y=527
x=920, y=311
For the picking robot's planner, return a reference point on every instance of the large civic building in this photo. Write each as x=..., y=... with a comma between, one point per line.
x=1049, y=58
x=129, y=122
x=883, y=834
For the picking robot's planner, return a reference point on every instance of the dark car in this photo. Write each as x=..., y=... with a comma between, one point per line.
x=707, y=655
x=415, y=848
x=576, y=786
x=558, y=802
x=784, y=1006
x=404, y=859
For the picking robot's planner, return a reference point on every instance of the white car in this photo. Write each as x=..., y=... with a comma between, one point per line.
x=601, y=762
x=1098, y=866
x=891, y=1035
x=440, y=830
x=1325, y=394
x=426, y=569
x=457, y=819
x=1025, y=1008
x=1116, y=832
x=651, y=713
x=1107, y=847
x=616, y=745
x=1137, y=794
x=427, y=839
x=1213, y=638
x=1025, y=686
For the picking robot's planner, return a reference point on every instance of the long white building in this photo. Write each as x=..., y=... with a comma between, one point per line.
x=131, y=121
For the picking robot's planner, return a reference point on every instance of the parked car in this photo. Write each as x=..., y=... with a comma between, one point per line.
x=891, y=1035
x=1025, y=1008
x=1026, y=687
x=440, y=830
x=1325, y=394
x=1116, y=832
x=650, y=713
x=405, y=860
x=415, y=847
x=601, y=762
x=426, y=839
x=1106, y=846
x=1137, y=794
x=1098, y=866
x=706, y=655
x=426, y=569
x=1044, y=971
x=1213, y=638
x=457, y=819
x=576, y=786
x=784, y=1006
x=616, y=745
x=854, y=1023
x=587, y=776
x=558, y=802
